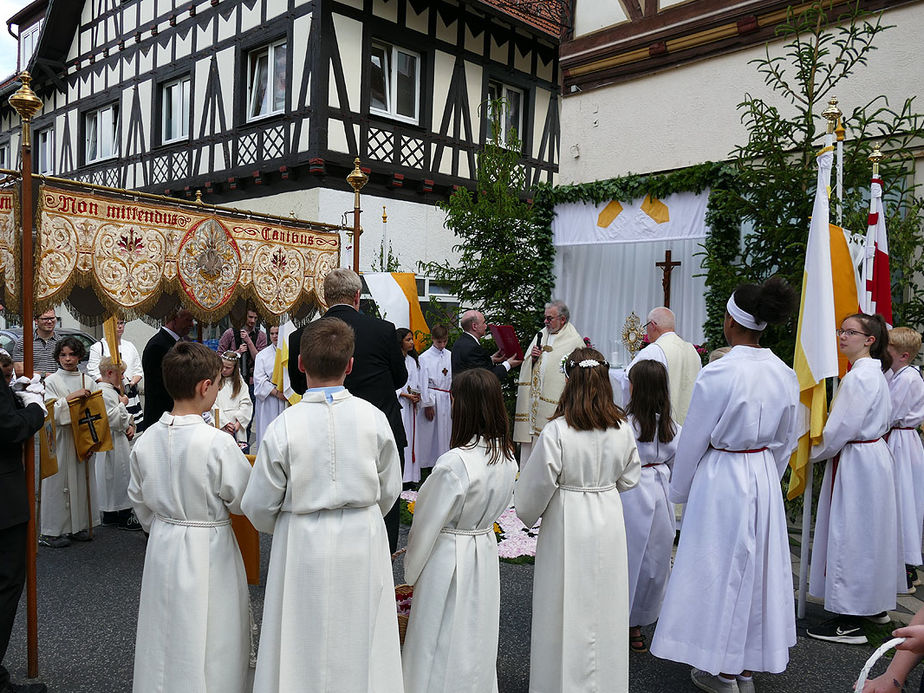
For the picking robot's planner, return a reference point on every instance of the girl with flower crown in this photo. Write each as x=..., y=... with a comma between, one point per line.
x=729, y=609
x=235, y=408
x=583, y=459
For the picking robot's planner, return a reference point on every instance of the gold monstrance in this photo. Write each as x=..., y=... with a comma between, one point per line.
x=632, y=333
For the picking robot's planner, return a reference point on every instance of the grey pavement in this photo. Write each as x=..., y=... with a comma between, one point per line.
x=88, y=606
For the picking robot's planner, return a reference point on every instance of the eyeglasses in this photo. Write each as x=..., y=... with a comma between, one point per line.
x=851, y=333
x=650, y=322
x=51, y=319
x=550, y=318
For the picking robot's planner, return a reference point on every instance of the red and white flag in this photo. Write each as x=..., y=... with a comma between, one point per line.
x=877, y=283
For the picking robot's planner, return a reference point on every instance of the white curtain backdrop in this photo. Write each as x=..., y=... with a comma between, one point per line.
x=604, y=274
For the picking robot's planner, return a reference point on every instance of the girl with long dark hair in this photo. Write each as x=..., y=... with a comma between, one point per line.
x=451, y=560
x=581, y=462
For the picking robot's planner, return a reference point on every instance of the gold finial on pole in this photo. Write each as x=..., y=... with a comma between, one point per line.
x=26, y=104
x=840, y=131
x=384, y=215
x=199, y=197
x=357, y=179
x=876, y=157
x=832, y=113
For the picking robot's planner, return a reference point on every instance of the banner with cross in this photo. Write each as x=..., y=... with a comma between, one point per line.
x=90, y=425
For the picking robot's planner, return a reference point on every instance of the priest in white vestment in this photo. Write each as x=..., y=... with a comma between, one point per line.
x=541, y=381
x=679, y=357
x=269, y=401
x=435, y=428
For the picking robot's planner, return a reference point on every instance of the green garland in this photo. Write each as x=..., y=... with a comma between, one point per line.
x=721, y=245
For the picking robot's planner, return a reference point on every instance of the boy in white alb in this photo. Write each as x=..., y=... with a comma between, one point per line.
x=112, y=470
x=326, y=472
x=906, y=389
x=186, y=476
x=435, y=429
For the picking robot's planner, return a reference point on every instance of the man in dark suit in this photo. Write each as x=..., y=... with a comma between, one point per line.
x=378, y=366
x=156, y=399
x=467, y=351
x=17, y=424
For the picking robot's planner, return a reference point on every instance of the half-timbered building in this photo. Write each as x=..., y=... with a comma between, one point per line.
x=263, y=104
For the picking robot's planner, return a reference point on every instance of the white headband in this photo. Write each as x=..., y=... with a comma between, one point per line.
x=742, y=317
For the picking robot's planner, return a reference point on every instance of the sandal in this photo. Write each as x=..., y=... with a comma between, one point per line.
x=637, y=640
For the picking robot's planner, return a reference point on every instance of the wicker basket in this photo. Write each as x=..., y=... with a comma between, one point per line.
x=403, y=592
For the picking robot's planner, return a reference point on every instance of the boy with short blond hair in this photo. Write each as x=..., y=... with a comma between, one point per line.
x=112, y=470
x=326, y=472
x=186, y=476
x=906, y=389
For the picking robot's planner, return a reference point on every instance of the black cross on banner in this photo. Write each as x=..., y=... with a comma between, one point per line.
x=88, y=419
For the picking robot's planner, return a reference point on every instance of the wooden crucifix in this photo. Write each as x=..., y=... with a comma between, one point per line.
x=667, y=267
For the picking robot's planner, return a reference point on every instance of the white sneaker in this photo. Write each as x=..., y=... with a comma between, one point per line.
x=746, y=685
x=713, y=684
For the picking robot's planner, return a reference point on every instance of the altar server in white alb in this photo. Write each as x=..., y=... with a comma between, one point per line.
x=64, y=512
x=133, y=375
x=235, y=408
x=436, y=426
x=648, y=513
x=270, y=402
x=112, y=467
x=680, y=358
x=452, y=633
x=326, y=472
x=584, y=458
x=856, y=562
x=906, y=390
x=410, y=397
x=194, y=616
x=729, y=610
x=541, y=381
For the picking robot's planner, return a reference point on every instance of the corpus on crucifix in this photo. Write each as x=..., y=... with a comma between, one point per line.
x=667, y=267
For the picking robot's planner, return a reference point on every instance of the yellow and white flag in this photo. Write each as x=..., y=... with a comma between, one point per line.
x=281, y=365
x=816, y=342
x=395, y=293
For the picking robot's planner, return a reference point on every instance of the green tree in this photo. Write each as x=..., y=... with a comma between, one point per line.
x=776, y=169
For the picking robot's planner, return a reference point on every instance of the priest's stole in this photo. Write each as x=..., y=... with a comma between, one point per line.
x=248, y=539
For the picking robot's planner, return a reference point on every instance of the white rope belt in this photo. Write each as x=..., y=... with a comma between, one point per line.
x=587, y=489
x=193, y=523
x=467, y=532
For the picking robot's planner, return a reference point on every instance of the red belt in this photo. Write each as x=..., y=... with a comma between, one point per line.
x=743, y=452
x=863, y=442
x=652, y=464
x=439, y=389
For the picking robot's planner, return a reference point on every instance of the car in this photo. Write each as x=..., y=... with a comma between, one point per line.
x=10, y=335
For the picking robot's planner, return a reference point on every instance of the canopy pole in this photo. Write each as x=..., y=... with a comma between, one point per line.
x=357, y=179
x=27, y=104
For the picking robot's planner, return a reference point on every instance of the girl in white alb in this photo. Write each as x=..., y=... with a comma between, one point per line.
x=235, y=408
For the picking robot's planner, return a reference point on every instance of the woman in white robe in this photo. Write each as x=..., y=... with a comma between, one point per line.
x=729, y=608
x=649, y=515
x=409, y=397
x=235, y=408
x=856, y=562
x=452, y=633
x=194, y=616
x=583, y=459
x=270, y=402
x=64, y=511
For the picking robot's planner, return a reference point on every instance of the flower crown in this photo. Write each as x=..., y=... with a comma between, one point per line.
x=568, y=363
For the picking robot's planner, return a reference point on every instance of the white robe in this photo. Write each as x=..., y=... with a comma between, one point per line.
x=112, y=467
x=64, y=495
x=729, y=602
x=231, y=408
x=433, y=436
x=580, y=629
x=856, y=562
x=649, y=519
x=194, y=617
x=906, y=389
x=452, y=633
x=683, y=364
x=267, y=407
x=539, y=384
x=411, y=416
x=129, y=355
x=325, y=474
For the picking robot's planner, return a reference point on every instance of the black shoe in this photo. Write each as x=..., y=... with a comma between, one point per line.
x=82, y=535
x=881, y=618
x=27, y=688
x=54, y=542
x=843, y=629
x=110, y=519
x=130, y=523
x=910, y=576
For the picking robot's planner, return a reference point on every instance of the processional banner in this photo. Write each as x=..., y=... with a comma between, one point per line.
x=9, y=246
x=131, y=250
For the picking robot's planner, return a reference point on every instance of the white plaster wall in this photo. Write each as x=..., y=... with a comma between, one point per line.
x=688, y=114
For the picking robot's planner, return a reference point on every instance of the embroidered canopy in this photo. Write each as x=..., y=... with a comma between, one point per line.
x=105, y=251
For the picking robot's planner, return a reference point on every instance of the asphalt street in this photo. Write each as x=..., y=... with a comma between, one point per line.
x=88, y=606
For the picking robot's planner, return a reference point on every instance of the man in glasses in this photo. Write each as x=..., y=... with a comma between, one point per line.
x=541, y=381
x=44, y=341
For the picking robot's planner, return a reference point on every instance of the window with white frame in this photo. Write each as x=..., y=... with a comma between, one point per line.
x=44, y=151
x=394, y=82
x=28, y=40
x=511, y=111
x=4, y=156
x=174, y=98
x=99, y=130
x=266, y=80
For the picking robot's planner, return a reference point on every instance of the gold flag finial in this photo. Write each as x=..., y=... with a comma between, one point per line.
x=26, y=104
x=876, y=157
x=384, y=215
x=832, y=113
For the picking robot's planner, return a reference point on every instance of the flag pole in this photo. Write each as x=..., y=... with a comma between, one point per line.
x=832, y=114
x=839, y=132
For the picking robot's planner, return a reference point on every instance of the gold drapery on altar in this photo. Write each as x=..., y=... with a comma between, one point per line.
x=131, y=250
